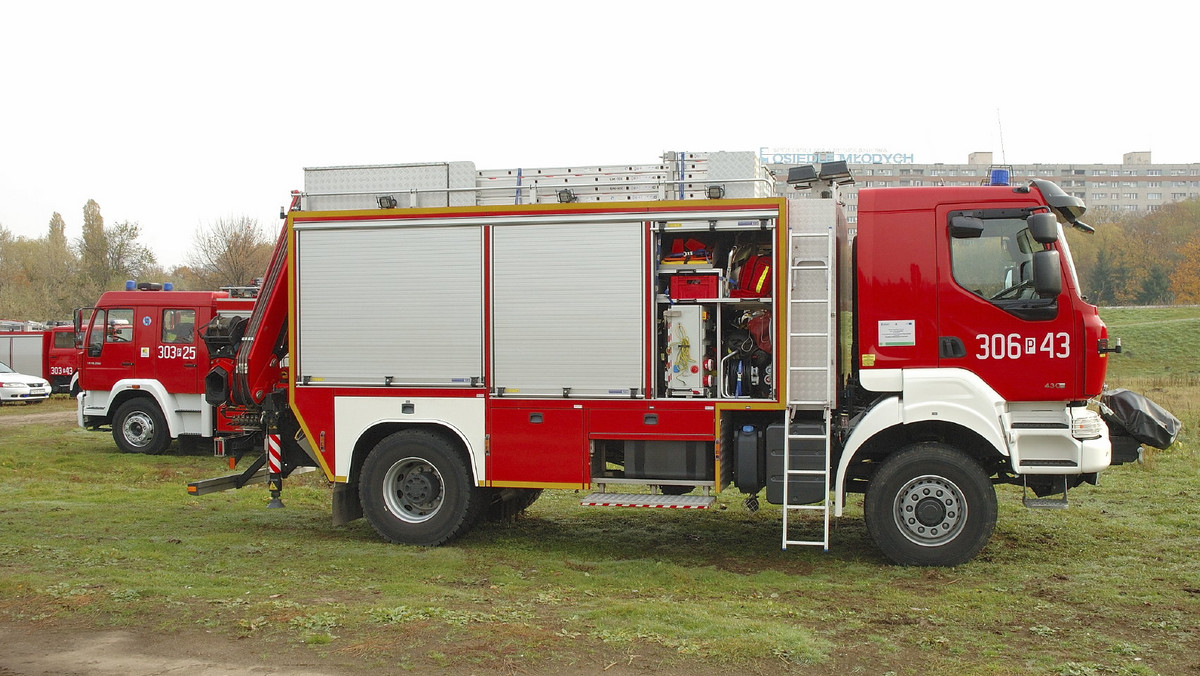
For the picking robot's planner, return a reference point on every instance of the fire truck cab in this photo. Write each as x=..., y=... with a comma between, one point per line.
x=143, y=364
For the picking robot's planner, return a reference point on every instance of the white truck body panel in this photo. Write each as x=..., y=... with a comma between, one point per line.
x=418, y=287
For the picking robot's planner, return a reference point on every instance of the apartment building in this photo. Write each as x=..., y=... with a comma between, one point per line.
x=1134, y=185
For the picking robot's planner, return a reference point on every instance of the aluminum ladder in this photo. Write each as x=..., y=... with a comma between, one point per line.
x=811, y=366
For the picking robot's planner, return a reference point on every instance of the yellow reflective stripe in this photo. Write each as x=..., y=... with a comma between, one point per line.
x=762, y=278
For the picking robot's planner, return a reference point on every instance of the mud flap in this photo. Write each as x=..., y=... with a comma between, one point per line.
x=346, y=504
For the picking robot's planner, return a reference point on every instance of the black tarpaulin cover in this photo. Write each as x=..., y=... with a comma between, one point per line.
x=1131, y=414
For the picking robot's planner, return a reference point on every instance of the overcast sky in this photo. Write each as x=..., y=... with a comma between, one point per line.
x=173, y=115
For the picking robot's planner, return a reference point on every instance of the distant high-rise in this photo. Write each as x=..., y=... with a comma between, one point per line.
x=1134, y=185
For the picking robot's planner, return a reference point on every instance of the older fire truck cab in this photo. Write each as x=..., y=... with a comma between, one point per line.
x=143, y=364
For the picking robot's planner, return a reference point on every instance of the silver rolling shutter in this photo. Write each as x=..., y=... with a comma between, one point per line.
x=568, y=308
x=402, y=302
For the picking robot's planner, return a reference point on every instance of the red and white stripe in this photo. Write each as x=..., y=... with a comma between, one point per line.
x=274, y=456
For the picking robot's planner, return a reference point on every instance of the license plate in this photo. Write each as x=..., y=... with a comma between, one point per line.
x=37, y=390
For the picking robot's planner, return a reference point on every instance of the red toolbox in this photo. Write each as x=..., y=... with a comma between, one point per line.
x=692, y=286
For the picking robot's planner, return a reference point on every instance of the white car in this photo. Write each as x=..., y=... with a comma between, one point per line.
x=19, y=387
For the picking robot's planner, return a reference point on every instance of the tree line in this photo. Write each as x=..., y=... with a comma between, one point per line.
x=45, y=278
x=1146, y=259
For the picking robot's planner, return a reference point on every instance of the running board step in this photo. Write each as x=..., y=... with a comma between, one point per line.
x=645, y=500
x=1045, y=503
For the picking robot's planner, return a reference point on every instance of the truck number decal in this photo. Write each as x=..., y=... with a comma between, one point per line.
x=1015, y=346
x=176, y=352
x=62, y=370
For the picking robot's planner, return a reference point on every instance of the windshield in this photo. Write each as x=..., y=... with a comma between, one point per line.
x=4, y=368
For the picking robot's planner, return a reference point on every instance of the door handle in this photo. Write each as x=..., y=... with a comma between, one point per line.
x=951, y=347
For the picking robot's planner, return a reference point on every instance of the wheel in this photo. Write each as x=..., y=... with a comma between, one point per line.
x=415, y=489
x=930, y=505
x=506, y=503
x=139, y=427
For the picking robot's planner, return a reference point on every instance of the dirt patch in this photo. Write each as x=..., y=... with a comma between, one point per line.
x=39, y=650
x=30, y=651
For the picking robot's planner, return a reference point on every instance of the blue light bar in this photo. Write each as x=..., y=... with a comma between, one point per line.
x=999, y=177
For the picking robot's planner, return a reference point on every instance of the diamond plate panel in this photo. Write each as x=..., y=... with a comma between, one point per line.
x=739, y=166
x=359, y=187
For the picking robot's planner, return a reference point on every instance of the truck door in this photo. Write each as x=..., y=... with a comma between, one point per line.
x=61, y=357
x=992, y=319
x=111, y=353
x=177, y=351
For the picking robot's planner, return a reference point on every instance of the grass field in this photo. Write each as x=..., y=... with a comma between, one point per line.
x=92, y=539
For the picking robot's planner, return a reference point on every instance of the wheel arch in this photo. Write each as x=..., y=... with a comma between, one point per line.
x=890, y=426
x=376, y=433
x=126, y=390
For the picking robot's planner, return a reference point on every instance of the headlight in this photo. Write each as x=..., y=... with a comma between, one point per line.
x=1086, y=424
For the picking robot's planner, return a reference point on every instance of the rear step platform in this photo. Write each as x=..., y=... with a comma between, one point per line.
x=647, y=500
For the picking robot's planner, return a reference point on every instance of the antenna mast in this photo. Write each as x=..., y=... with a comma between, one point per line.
x=1000, y=124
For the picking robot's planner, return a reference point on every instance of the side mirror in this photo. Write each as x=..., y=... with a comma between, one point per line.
x=1047, y=273
x=93, y=350
x=1043, y=227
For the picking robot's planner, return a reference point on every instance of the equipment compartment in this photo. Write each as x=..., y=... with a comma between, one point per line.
x=714, y=284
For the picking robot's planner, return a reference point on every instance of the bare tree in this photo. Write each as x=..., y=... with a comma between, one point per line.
x=231, y=251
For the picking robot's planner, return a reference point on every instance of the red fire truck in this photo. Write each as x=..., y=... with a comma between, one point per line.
x=143, y=364
x=50, y=353
x=456, y=341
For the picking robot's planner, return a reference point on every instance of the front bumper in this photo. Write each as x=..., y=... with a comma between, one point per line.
x=24, y=393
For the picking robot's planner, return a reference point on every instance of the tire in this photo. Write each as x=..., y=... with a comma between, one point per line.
x=139, y=427
x=505, y=504
x=415, y=489
x=930, y=505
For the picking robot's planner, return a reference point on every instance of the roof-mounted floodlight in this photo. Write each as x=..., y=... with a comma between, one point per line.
x=802, y=177
x=716, y=192
x=387, y=202
x=566, y=196
x=836, y=172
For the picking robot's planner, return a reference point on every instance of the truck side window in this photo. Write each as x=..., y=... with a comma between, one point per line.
x=120, y=326
x=997, y=263
x=178, y=326
x=64, y=339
